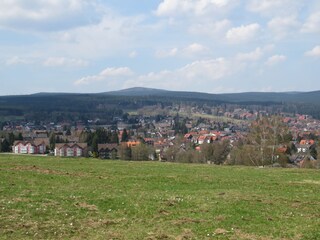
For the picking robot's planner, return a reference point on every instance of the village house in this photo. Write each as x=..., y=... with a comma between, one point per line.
x=282, y=149
x=149, y=141
x=70, y=149
x=188, y=136
x=202, y=139
x=132, y=143
x=108, y=151
x=29, y=147
x=34, y=134
x=304, y=146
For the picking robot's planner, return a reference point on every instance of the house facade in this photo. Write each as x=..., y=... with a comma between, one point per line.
x=304, y=146
x=108, y=151
x=70, y=150
x=29, y=147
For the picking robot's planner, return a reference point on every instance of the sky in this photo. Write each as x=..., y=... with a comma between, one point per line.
x=213, y=46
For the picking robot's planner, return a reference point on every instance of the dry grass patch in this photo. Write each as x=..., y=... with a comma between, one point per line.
x=40, y=170
x=187, y=221
x=90, y=207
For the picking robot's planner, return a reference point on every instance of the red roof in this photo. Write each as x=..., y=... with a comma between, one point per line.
x=193, y=133
x=282, y=149
x=187, y=135
x=202, y=138
x=204, y=132
x=149, y=139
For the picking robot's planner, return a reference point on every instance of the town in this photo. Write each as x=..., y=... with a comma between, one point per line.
x=179, y=134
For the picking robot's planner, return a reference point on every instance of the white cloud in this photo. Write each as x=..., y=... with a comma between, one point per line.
x=264, y=5
x=282, y=26
x=276, y=59
x=64, y=62
x=192, y=50
x=17, y=61
x=113, y=35
x=250, y=56
x=196, y=7
x=195, y=49
x=46, y=15
x=312, y=24
x=112, y=74
x=197, y=75
x=275, y=7
x=133, y=54
x=243, y=33
x=210, y=28
x=167, y=53
x=214, y=69
x=315, y=52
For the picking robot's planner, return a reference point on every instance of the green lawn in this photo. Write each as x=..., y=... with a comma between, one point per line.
x=49, y=198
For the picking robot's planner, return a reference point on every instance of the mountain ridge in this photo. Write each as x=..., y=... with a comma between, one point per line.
x=242, y=97
x=310, y=96
x=147, y=91
x=59, y=106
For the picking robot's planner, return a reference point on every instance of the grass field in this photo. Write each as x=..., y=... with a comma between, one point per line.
x=49, y=198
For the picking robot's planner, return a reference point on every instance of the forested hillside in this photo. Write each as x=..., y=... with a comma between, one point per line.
x=72, y=107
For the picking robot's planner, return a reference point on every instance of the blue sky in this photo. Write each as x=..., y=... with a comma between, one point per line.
x=213, y=46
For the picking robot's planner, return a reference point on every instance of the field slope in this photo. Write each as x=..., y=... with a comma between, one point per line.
x=48, y=198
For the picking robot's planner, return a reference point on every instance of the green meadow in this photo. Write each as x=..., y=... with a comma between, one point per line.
x=60, y=198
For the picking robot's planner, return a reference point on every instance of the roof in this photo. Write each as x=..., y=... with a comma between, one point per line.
x=187, y=135
x=306, y=142
x=109, y=146
x=39, y=141
x=149, y=139
x=203, y=132
x=34, y=143
x=193, y=133
x=303, y=142
x=71, y=145
x=202, y=138
x=282, y=149
x=132, y=143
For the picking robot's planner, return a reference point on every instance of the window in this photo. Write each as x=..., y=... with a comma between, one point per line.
x=79, y=152
x=70, y=152
x=23, y=149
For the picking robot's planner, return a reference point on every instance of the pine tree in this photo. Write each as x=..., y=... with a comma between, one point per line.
x=114, y=137
x=5, y=146
x=11, y=139
x=19, y=137
x=94, y=145
x=125, y=136
x=52, y=141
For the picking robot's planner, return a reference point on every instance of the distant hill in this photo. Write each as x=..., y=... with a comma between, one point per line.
x=107, y=105
x=137, y=91
x=245, y=97
x=299, y=97
x=44, y=94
